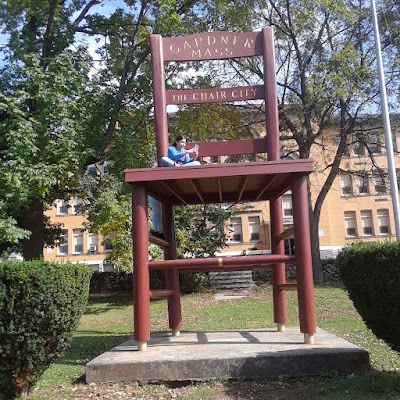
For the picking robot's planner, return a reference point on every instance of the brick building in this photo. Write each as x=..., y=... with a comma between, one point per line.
x=357, y=207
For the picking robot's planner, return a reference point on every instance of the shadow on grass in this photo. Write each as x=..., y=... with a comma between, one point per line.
x=101, y=303
x=371, y=385
x=84, y=348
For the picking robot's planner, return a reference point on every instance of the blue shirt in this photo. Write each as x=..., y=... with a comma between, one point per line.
x=178, y=156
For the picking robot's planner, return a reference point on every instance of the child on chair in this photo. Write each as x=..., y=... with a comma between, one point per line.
x=178, y=155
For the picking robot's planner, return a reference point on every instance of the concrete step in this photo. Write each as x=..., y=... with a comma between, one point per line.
x=228, y=280
x=239, y=354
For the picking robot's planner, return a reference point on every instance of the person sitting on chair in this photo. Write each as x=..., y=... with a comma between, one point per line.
x=178, y=155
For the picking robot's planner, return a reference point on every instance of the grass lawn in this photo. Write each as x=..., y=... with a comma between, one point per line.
x=108, y=322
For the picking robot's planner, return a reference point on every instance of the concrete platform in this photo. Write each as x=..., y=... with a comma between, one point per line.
x=242, y=354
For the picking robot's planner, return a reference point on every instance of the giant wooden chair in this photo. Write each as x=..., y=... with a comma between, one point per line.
x=217, y=183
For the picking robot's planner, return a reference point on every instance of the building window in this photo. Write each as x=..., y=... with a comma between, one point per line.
x=287, y=205
x=62, y=207
x=254, y=229
x=379, y=184
x=345, y=184
x=93, y=243
x=374, y=143
x=77, y=241
x=62, y=247
x=362, y=184
x=350, y=223
x=366, y=223
x=107, y=244
x=358, y=147
x=214, y=160
x=398, y=178
x=383, y=221
x=77, y=203
x=236, y=229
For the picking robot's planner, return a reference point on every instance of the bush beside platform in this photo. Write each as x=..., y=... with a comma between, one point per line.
x=371, y=275
x=40, y=307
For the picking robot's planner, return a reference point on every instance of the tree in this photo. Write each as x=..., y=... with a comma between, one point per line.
x=326, y=75
x=56, y=117
x=130, y=143
x=43, y=105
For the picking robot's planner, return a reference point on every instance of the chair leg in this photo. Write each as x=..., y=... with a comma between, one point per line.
x=172, y=275
x=278, y=270
x=305, y=283
x=141, y=280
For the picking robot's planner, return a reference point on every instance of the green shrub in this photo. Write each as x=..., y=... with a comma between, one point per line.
x=40, y=307
x=193, y=281
x=371, y=275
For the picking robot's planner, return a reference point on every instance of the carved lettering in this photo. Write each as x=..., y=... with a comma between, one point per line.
x=211, y=40
x=179, y=97
x=248, y=43
x=196, y=53
x=220, y=94
x=174, y=49
x=208, y=46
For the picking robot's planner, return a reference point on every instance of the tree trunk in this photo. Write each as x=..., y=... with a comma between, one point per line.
x=314, y=236
x=315, y=250
x=32, y=248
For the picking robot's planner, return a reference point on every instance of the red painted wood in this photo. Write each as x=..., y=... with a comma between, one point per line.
x=159, y=97
x=279, y=270
x=231, y=147
x=161, y=294
x=304, y=273
x=220, y=182
x=214, y=262
x=271, y=95
x=141, y=281
x=212, y=46
x=172, y=275
x=216, y=95
x=218, y=170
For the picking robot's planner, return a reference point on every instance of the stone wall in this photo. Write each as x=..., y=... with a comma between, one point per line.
x=103, y=282
x=329, y=271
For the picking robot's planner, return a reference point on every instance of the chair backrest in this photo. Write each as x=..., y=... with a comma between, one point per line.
x=216, y=46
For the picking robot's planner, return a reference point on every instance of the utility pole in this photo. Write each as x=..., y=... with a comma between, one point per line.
x=386, y=125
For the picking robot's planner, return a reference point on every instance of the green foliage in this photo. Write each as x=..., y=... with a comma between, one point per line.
x=109, y=207
x=371, y=274
x=200, y=229
x=193, y=282
x=206, y=122
x=41, y=146
x=40, y=307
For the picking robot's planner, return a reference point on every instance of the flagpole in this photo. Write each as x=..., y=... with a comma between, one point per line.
x=386, y=125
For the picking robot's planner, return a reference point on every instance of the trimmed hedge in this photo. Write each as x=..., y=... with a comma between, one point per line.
x=40, y=307
x=371, y=275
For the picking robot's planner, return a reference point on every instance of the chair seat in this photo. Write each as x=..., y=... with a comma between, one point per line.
x=220, y=183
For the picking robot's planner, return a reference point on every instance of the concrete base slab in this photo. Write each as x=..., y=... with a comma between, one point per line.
x=241, y=354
